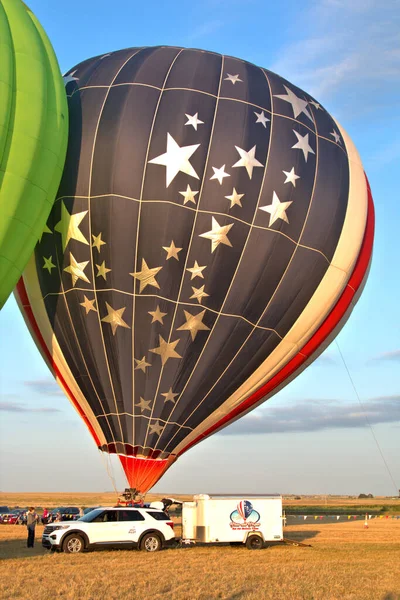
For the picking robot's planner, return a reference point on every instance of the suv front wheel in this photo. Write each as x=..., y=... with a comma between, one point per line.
x=73, y=544
x=150, y=542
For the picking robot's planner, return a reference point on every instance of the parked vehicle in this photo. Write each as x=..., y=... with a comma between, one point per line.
x=14, y=517
x=89, y=509
x=8, y=518
x=144, y=528
x=67, y=513
x=255, y=521
x=4, y=510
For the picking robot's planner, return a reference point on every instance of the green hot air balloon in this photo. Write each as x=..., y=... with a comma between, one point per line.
x=33, y=137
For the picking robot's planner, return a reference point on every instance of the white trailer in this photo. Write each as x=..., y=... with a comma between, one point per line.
x=251, y=520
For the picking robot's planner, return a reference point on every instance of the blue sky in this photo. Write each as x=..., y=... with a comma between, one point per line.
x=312, y=437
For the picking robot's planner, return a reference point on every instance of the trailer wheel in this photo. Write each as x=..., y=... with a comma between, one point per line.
x=254, y=542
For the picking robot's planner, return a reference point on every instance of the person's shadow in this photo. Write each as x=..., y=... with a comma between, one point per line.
x=300, y=536
x=17, y=549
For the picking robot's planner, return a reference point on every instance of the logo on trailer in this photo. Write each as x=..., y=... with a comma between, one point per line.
x=245, y=517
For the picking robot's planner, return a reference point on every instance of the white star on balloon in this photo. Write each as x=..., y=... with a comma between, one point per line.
x=336, y=136
x=233, y=78
x=68, y=78
x=247, y=160
x=277, y=210
x=235, y=198
x=218, y=234
x=298, y=104
x=302, y=144
x=261, y=118
x=193, y=120
x=291, y=177
x=176, y=159
x=189, y=195
x=219, y=174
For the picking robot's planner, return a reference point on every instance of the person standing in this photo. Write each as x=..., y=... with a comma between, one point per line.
x=31, y=520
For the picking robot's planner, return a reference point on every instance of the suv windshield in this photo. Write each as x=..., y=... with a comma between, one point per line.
x=91, y=515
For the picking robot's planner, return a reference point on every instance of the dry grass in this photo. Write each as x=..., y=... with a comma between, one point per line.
x=68, y=499
x=345, y=562
x=341, y=501
x=109, y=498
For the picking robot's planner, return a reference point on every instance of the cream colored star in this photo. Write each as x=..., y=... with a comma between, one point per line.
x=166, y=350
x=291, y=177
x=176, y=159
x=45, y=230
x=156, y=428
x=261, y=118
x=76, y=270
x=88, y=305
x=303, y=145
x=172, y=251
x=336, y=136
x=141, y=364
x=102, y=270
x=68, y=78
x=68, y=226
x=194, y=120
x=157, y=315
x=233, y=78
x=48, y=264
x=298, y=104
x=196, y=271
x=144, y=404
x=218, y=235
x=170, y=396
x=194, y=323
x=247, y=160
x=219, y=174
x=235, y=198
x=97, y=241
x=277, y=210
x=199, y=294
x=146, y=276
x=114, y=317
x=189, y=195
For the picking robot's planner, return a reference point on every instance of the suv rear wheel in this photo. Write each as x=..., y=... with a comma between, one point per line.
x=73, y=544
x=150, y=542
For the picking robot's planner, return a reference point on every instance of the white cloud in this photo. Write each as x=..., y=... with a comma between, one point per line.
x=394, y=355
x=354, y=61
x=45, y=387
x=317, y=415
x=18, y=407
x=204, y=30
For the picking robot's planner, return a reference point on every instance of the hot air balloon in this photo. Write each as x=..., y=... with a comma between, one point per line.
x=33, y=137
x=211, y=234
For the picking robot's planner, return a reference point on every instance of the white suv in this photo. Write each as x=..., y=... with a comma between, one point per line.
x=145, y=528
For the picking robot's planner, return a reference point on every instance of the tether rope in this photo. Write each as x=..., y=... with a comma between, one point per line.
x=367, y=420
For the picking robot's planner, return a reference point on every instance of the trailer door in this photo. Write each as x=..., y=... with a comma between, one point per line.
x=189, y=520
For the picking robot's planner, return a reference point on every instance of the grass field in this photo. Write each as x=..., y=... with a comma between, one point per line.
x=345, y=562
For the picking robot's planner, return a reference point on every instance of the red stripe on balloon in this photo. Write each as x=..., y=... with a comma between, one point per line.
x=143, y=473
x=23, y=297
x=319, y=336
